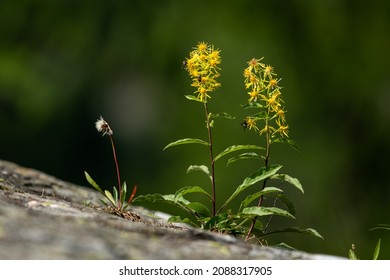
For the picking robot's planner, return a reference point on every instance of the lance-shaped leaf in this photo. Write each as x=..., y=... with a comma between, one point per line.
x=308, y=231
x=256, y=195
x=180, y=202
x=235, y=148
x=193, y=98
x=187, y=141
x=199, y=209
x=222, y=115
x=377, y=250
x=289, y=142
x=251, y=155
x=257, y=176
x=266, y=211
x=287, y=178
x=201, y=168
x=93, y=183
x=186, y=190
x=110, y=198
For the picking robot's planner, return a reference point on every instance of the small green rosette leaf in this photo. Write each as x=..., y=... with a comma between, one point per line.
x=93, y=183
x=110, y=197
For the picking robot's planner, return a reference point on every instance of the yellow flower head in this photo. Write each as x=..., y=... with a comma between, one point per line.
x=203, y=68
x=265, y=93
x=282, y=128
x=251, y=123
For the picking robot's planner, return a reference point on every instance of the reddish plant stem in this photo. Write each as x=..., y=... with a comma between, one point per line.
x=117, y=172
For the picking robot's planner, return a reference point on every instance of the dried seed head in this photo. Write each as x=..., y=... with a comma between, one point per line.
x=103, y=127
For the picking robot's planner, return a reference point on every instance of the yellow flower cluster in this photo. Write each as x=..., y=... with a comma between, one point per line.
x=202, y=66
x=265, y=93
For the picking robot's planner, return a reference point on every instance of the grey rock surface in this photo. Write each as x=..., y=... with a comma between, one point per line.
x=42, y=217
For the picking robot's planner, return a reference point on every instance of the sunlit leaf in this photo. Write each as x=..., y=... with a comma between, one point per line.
x=115, y=194
x=187, y=141
x=287, y=178
x=124, y=193
x=93, y=183
x=235, y=148
x=252, y=197
x=252, y=105
x=381, y=226
x=201, y=168
x=167, y=199
x=244, y=156
x=193, y=98
x=110, y=198
x=289, y=142
x=186, y=190
x=257, y=176
x=352, y=254
x=223, y=115
x=308, y=231
x=285, y=246
x=266, y=211
x=377, y=250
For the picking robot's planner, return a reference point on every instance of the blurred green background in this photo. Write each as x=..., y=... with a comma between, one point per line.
x=65, y=63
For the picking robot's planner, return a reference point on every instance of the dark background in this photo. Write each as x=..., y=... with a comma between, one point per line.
x=65, y=63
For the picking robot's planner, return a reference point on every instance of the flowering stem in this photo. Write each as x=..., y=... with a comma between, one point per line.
x=266, y=159
x=208, y=124
x=117, y=172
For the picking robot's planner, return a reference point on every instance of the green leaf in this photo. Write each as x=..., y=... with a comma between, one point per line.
x=352, y=254
x=257, y=176
x=377, y=250
x=308, y=231
x=235, y=148
x=186, y=190
x=381, y=226
x=199, y=209
x=252, y=197
x=115, y=192
x=168, y=199
x=193, y=98
x=110, y=197
x=266, y=211
x=211, y=223
x=252, y=106
x=289, y=142
x=124, y=192
x=187, y=141
x=202, y=168
x=285, y=246
x=223, y=115
x=287, y=178
x=287, y=202
x=93, y=183
x=243, y=156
